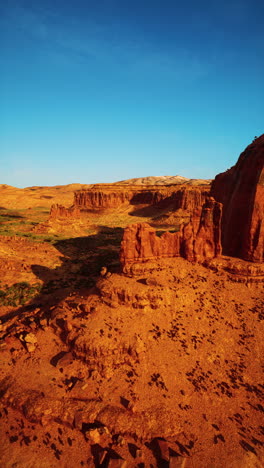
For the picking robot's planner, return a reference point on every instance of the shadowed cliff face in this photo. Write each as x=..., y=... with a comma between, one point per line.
x=241, y=190
x=198, y=240
x=113, y=196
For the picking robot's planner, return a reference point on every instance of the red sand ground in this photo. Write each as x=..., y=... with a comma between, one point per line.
x=163, y=369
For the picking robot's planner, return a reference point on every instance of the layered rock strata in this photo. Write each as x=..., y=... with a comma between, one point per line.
x=38, y=408
x=239, y=271
x=241, y=190
x=197, y=241
x=105, y=196
x=60, y=211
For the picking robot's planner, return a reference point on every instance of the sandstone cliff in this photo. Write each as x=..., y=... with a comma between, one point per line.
x=60, y=211
x=198, y=240
x=104, y=196
x=241, y=190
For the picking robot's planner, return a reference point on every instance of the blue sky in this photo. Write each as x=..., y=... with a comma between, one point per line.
x=99, y=91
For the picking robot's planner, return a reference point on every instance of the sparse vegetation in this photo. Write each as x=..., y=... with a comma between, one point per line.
x=18, y=293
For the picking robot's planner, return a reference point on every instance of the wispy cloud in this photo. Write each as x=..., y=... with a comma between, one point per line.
x=72, y=41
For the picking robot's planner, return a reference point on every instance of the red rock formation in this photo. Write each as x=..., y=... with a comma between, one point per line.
x=241, y=190
x=105, y=196
x=140, y=243
x=59, y=211
x=199, y=240
x=201, y=237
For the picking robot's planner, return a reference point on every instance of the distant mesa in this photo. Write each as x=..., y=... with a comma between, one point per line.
x=164, y=180
x=114, y=196
x=36, y=196
x=145, y=190
x=5, y=186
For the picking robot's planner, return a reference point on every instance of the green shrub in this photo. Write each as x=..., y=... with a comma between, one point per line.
x=19, y=293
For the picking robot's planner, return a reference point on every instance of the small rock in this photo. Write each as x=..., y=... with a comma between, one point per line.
x=94, y=436
x=151, y=282
x=103, y=271
x=177, y=462
x=43, y=322
x=105, y=430
x=120, y=441
x=68, y=326
x=86, y=308
x=65, y=360
x=124, y=401
x=117, y=463
x=30, y=347
x=108, y=274
x=30, y=338
x=141, y=304
x=93, y=374
x=78, y=420
x=163, y=449
x=82, y=374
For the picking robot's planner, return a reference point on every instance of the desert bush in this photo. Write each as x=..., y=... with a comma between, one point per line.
x=19, y=293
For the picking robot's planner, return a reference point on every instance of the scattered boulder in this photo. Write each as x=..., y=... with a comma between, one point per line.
x=117, y=463
x=163, y=449
x=103, y=271
x=30, y=338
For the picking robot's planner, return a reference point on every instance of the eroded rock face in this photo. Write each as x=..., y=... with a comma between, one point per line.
x=201, y=237
x=198, y=240
x=60, y=211
x=103, y=196
x=40, y=409
x=241, y=190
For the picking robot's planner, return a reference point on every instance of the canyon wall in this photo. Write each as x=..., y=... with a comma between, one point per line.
x=241, y=191
x=59, y=211
x=104, y=196
x=197, y=241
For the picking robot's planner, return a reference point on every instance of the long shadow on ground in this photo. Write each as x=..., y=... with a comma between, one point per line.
x=82, y=260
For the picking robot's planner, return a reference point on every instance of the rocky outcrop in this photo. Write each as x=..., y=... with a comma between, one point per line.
x=37, y=408
x=197, y=241
x=105, y=196
x=239, y=271
x=241, y=190
x=59, y=211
